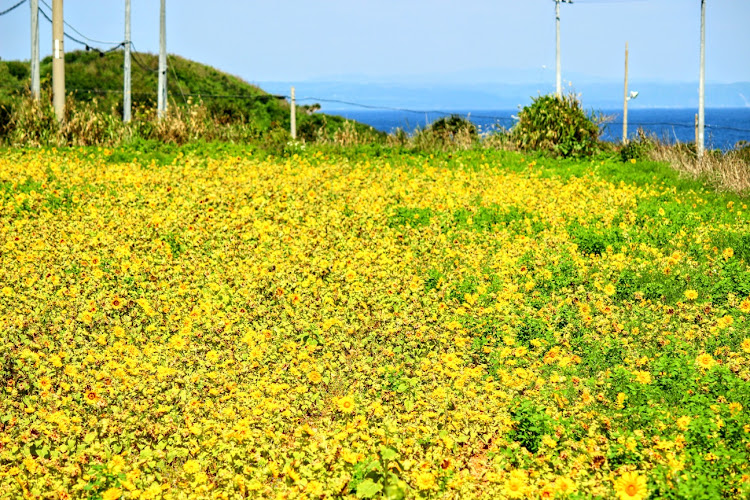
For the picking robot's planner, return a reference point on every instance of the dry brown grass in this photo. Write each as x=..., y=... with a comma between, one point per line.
x=725, y=171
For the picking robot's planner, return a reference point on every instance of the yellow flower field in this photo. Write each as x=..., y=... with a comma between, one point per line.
x=473, y=325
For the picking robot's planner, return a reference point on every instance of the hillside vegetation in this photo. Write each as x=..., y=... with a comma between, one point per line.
x=97, y=79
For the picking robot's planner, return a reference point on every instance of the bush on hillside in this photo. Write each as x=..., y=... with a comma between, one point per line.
x=557, y=125
x=638, y=148
x=448, y=127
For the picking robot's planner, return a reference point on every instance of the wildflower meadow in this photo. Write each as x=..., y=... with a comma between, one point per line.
x=473, y=324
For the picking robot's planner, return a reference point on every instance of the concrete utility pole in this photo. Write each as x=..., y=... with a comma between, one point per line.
x=294, y=116
x=702, y=84
x=625, y=101
x=35, y=90
x=162, y=92
x=58, y=60
x=126, y=103
x=558, y=75
x=558, y=72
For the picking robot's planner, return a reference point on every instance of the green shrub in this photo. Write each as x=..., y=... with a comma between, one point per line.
x=557, y=125
x=639, y=148
x=448, y=127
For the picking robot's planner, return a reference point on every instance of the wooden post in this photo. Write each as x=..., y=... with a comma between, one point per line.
x=294, y=116
x=625, y=101
x=58, y=60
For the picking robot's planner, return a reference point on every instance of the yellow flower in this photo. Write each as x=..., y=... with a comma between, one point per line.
x=548, y=441
x=704, y=361
x=178, y=342
x=621, y=397
x=691, y=294
x=643, y=377
x=746, y=345
x=45, y=383
x=631, y=486
x=425, y=481
x=345, y=404
x=112, y=494
x=728, y=253
x=515, y=486
x=314, y=377
x=745, y=306
x=725, y=321
x=30, y=464
x=564, y=485
x=254, y=485
x=609, y=289
x=153, y=491
x=91, y=397
x=191, y=466
x=314, y=488
x=683, y=423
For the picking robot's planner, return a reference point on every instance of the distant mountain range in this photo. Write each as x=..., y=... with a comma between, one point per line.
x=449, y=93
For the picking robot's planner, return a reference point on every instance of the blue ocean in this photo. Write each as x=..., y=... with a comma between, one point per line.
x=725, y=127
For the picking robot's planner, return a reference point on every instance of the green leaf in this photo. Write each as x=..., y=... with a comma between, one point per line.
x=388, y=453
x=90, y=437
x=394, y=492
x=368, y=489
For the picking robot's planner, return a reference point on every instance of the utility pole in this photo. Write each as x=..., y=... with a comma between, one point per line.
x=625, y=101
x=35, y=90
x=558, y=75
x=58, y=60
x=162, y=92
x=294, y=116
x=558, y=72
x=702, y=84
x=126, y=103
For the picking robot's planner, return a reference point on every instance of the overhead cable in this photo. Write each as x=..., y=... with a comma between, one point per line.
x=9, y=9
x=81, y=34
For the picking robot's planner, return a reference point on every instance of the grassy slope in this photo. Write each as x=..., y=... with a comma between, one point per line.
x=90, y=76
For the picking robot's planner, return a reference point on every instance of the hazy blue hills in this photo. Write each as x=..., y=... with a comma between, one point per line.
x=444, y=94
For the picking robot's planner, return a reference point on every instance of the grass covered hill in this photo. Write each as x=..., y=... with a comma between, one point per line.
x=94, y=77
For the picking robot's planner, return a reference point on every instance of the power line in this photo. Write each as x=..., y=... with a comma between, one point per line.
x=403, y=110
x=673, y=124
x=140, y=63
x=134, y=55
x=176, y=79
x=12, y=8
x=73, y=39
x=266, y=97
x=118, y=44
x=81, y=42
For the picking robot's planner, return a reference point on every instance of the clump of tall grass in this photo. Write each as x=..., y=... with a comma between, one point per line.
x=728, y=171
x=32, y=123
x=725, y=171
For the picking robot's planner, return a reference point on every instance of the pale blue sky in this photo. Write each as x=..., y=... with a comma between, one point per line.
x=295, y=40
